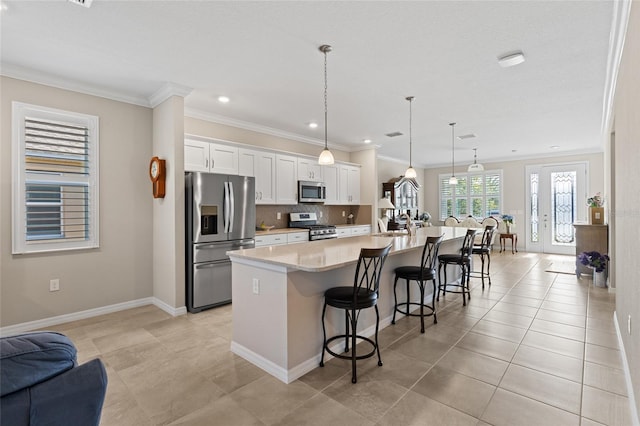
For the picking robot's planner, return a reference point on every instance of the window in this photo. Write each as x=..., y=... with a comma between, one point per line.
x=478, y=195
x=55, y=179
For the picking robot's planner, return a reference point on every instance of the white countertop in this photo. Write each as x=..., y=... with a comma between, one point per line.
x=323, y=255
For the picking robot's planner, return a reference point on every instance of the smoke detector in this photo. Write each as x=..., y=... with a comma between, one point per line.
x=85, y=3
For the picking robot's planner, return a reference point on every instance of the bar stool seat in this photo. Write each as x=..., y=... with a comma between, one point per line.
x=363, y=294
x=421, y=275
x=463, y=260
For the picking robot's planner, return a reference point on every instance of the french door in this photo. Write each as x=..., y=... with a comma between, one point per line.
x=556, y=198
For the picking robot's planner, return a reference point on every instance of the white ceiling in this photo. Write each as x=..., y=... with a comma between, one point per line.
x=264, y=55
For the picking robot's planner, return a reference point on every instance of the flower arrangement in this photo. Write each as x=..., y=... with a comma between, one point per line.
x=594, y=260
x=507, y=218
x=595, y=201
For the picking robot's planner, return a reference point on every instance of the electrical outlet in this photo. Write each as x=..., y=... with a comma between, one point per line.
x=320, y=214
x=343, y=213
x=54, y=285
x=278, y=215
x=256, y=286
x=629, y=324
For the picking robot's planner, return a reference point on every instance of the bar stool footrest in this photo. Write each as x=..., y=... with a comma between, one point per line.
x=411, y=314
x=342, y=337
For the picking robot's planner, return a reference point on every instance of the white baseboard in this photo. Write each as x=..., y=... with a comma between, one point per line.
x=289, y=375
x=635, y=420
x=175, y=312
x=90, y=313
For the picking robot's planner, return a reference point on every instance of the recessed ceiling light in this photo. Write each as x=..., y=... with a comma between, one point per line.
x=555, y=147
x=3, y=6
x=223, y=99
x=511, y=59
x=367, y=141
x=313, y=125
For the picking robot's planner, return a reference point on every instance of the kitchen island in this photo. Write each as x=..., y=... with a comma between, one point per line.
x=278, y=291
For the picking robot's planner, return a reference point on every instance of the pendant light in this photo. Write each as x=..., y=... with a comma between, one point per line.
x=475, y=167
x=326, y=157
x=453, y=180
x=411, y=172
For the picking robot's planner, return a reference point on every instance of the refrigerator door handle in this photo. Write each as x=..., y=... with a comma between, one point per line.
x=226, y=208
x=232, y=203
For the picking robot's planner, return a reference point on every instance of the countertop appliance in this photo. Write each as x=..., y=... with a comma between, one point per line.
x=220, y=216
x=311, y=192
x=310, y=221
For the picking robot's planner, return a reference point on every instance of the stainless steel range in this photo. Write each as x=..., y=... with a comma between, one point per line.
x=310, y=221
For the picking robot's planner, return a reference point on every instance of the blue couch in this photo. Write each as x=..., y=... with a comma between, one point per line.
x=42, y=384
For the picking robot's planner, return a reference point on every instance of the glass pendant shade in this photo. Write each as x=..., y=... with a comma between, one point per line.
x=326, y=157
x=410, y=173
x=453, y=180
x=475, y=167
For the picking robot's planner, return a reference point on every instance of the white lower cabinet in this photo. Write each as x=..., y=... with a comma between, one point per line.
x=297, y=237
x=353, y=231
x=271, y=240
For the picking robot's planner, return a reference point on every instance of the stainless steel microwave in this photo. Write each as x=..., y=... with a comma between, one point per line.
x=311, y=192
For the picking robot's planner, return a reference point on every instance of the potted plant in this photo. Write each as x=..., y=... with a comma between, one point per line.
x=597, y=262
x=508, y=221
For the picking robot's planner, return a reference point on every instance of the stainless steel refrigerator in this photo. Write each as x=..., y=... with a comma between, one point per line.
x=220, y=216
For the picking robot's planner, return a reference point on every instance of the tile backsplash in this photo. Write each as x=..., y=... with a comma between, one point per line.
x=331, y=215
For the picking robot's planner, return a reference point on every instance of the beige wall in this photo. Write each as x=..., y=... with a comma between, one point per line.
x=513, y=175
x=626, y=210
x=195, y=126
x=168, y=212
x=120, y=270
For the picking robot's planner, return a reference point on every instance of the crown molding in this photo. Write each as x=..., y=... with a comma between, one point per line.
x=245, y=125
x=167, y=91
x=38, y=77
x=620, y=21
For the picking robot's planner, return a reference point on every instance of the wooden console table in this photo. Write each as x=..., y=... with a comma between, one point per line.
x=590, y=238
x=514, y=240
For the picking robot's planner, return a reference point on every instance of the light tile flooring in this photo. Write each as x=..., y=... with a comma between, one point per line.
x=536, y=348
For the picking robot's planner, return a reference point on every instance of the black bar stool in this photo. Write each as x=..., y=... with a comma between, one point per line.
x=420, y=274
x=363, y=294
x=484, y=250
x=462, y=259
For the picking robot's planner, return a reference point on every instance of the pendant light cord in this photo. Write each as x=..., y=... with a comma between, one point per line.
x=452, y=149
x=410, y=99
x=325, y=97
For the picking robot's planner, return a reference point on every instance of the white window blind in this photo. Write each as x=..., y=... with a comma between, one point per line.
x=476, y=194
x=55, y=170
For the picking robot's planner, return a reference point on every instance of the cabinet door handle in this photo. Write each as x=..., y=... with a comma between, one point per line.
x=206, y=163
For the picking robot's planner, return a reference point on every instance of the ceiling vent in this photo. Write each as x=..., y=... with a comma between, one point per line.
x=85, y=3
x=394, y=134
x=468, y=136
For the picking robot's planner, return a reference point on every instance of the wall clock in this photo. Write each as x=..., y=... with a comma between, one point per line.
x=157, y=173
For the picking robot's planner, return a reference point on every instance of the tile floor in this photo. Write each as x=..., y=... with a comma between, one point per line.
x=536, y=348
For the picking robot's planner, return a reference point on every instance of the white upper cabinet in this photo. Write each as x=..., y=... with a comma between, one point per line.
x=349, y=184
x=309, y=169
x=286, y=179
x=331, y=182
x=262, y=166
x=196, y=156
x=202, y=156
x=224, y=159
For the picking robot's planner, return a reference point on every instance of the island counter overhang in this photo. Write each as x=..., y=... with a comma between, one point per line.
x=278, y=292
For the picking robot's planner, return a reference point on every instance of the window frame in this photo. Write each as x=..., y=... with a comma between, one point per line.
x=21, y=244
x=468, y=197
